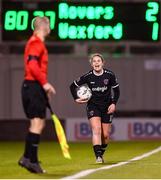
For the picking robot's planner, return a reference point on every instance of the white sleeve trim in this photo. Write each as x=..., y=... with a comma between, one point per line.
x=115, y=86
x=76, y=83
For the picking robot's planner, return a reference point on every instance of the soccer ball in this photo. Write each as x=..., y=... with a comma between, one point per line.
x=84, y=92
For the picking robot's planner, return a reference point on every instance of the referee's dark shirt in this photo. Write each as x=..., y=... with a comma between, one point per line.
x=101, y=87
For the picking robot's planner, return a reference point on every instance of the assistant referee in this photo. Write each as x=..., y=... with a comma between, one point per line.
x=35, y=92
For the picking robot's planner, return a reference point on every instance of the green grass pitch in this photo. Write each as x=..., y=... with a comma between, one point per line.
x=82, y=159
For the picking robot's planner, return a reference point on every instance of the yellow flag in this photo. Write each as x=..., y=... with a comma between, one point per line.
x=61, y=136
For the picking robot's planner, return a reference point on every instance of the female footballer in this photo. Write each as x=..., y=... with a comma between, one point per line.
x=102, y=104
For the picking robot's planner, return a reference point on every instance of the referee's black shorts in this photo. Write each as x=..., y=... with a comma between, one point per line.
x=34, y=99
x=94, y=110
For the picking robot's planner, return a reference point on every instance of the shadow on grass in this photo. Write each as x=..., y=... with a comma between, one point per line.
x=106, y=163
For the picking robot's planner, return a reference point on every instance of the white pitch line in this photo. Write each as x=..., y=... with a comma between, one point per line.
x=90, y=171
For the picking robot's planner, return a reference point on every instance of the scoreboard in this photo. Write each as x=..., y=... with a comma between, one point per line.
x=84, y=21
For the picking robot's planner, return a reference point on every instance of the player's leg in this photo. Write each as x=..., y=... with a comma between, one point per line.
x=95, y=123
x=106, y=129
x=94, y=117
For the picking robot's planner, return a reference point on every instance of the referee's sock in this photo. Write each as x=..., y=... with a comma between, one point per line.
x=27, y=151
x=35, y=139
x=97, y=150
x=104, y=147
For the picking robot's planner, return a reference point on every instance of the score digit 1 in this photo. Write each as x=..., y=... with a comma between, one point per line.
x=151, y=16
x=16, y=20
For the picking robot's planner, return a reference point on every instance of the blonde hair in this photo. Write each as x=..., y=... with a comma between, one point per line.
x=39, y=21
x=96, y=54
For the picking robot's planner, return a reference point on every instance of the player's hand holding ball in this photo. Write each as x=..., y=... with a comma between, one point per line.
x=81, y=101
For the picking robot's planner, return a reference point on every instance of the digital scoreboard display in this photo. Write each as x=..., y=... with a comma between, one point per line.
x=76, y=20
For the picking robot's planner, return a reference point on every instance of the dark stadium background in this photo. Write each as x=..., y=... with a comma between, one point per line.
x=137, y=64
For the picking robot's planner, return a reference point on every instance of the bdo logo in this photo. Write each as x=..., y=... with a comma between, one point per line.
x=145, y=130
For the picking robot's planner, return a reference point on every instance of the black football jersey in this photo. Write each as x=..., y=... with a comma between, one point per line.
x=100, y=85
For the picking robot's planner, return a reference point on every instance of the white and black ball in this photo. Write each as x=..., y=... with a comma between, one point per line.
x=84, y=92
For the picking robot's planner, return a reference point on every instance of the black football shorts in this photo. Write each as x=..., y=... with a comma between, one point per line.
x=34, y=99
x=94, y=111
